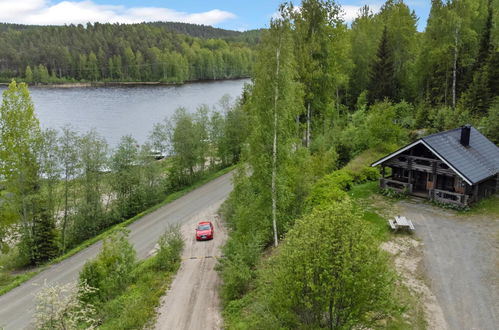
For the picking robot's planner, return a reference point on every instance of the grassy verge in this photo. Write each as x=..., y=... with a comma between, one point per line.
x=136, y=306
x=19, y=279
x=375, y=212
x=488, y=207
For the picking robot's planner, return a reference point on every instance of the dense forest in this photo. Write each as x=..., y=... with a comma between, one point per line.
x=119, y=52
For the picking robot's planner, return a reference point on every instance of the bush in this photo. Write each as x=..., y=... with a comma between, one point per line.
x=326, y=274
x=170, y=247
x=370, y=173
x=62, y=307
x=330, y=188
x=111, y=271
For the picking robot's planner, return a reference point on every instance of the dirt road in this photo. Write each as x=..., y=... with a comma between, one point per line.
x=461, y=264
x=17, y=306
x=192, y=301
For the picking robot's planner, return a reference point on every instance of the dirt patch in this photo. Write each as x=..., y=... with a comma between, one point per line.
x=407, y=256
x=192, y=302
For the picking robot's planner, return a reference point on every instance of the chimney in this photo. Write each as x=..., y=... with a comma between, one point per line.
x=465, y=135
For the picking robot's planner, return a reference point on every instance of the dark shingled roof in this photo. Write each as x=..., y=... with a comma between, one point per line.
x=474, y=163
x=478, y=161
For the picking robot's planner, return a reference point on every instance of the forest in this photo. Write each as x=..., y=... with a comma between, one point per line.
x=120, y=52
x=327, y=98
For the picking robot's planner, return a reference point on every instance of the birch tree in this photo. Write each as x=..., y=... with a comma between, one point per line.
x=69, y=161
x=320, y=45
x=19, y=169
x=275, y=103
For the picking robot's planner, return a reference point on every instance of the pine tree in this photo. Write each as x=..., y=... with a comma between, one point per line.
x=44, y=235
x=494, y=74
x=485, y=41
x=478, y=96
x=383, y=82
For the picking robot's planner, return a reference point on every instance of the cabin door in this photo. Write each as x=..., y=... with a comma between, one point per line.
x=420, y=179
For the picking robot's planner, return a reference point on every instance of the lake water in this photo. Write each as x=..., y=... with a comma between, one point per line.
x=117, y=111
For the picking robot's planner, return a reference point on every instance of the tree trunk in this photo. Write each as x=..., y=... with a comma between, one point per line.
x=274, y=149
x=64, y=223
x=308, y=126
x=454, y=69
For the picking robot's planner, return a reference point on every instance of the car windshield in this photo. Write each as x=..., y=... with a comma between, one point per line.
x=204, y=227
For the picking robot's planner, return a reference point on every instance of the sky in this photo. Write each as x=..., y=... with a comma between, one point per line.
x=226, y=14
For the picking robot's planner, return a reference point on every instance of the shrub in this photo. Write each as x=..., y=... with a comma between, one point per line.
x=330, y=188
x=61, y=307
x=326, y=274
x=111, y=271
x=370, y=173
x=170, y=247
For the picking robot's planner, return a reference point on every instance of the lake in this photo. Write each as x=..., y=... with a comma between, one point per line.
x=117, y=111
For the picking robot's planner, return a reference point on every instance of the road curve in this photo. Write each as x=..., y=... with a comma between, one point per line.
x=17, y=306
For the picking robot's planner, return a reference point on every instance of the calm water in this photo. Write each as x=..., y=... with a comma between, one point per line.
x=117, y=111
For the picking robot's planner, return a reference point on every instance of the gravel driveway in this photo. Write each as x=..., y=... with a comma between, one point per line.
x=461, y=263
x=192, y=302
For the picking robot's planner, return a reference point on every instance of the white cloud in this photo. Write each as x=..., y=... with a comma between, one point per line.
x=351, y=12
x=43, y=12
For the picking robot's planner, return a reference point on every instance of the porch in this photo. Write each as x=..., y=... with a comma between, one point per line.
x=439, y=195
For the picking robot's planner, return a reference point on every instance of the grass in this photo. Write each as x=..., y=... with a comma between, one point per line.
x=411, y=312
x=136, y=306
x=364, y=159
x=488, y=207
x=15, y=281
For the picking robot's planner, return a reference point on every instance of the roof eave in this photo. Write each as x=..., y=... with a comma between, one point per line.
x=468, y=181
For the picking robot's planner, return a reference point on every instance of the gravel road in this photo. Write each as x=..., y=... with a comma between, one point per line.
x=461, y=261
x=192, y=302
x=17, y=306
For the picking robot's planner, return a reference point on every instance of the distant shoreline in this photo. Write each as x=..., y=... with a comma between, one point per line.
x=122, y=83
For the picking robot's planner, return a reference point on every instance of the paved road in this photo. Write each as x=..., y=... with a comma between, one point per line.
x=17, y=306
x=461, y=260
x=192, y=302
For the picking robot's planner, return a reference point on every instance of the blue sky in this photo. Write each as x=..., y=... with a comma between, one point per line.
x=228, y=14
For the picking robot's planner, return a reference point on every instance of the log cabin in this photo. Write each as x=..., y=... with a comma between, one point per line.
x=458, y=167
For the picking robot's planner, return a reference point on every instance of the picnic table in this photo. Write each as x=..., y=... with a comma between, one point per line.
x=401, y=222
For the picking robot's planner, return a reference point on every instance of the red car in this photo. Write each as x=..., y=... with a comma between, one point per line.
x=204, y=231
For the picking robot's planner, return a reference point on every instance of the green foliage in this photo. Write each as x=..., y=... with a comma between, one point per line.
x=170, y=247
x=44, y=237
x=490, y=123
x=379, y=128
x=62, y=307
x=327, y=274
x=111, y=271
x=20, y=138
x=388, y=192
x=383, y=83
x=134, y=305
x=121, y=52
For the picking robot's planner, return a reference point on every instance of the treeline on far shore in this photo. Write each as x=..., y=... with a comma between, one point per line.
x=119, y=52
